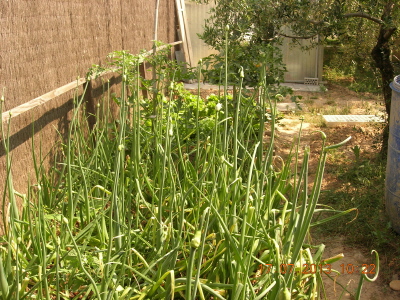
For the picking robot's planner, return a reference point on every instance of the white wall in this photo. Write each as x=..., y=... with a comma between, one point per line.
x=299, y=63
x=196, y=16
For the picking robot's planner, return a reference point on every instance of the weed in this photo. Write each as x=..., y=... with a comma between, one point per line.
x=356, y=150
x=331, y=102
x=362, y=186
x=355, y=80
x=322, y=88
x=336, y=75
x=309, y=101
x=345, y=110
x=330, y=110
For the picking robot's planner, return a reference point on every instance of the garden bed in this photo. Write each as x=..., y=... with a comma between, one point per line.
x=179, y=197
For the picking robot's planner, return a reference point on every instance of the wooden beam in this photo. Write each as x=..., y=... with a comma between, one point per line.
x=16, y=111
x=162, y=47
x=41, y=100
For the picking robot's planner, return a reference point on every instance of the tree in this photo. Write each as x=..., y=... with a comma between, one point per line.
x=250, y=37
x=262, y=21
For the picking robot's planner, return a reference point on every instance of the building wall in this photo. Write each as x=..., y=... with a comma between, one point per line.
x=196, y=16
x=299, y=63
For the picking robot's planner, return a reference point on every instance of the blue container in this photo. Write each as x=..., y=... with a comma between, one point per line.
x=393, y=160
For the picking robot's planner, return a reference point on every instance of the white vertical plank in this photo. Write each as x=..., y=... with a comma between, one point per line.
x=182, y=31
x=191, y=62
x=196, y=16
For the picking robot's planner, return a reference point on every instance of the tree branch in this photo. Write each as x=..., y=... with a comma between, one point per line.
x=363, y=15
x=389, y=32
x=298, y=37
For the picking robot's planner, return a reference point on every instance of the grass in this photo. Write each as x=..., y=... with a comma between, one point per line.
x=359, y=182
x=357, y=179
x=154, y=205
x=331, y=103
x=360, y=179
x=363, y=181
x=309, y=101
x=354, y=79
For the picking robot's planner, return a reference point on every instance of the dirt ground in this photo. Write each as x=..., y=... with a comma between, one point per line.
x=338, y=100
x=335, y=100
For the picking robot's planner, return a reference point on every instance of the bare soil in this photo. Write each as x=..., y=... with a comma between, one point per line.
x=340, y=100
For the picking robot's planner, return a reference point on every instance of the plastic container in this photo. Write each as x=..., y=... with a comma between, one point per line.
x=392, y=192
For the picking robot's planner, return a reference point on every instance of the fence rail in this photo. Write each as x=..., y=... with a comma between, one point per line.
x=23, y=108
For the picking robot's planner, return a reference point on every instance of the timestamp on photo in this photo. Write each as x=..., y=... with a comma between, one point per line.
x=290, y=268
x=368, y=269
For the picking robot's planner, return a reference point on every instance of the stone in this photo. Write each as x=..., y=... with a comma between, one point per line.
x=395, y=285
x=338, y=120
x=287, y=107
x=348, y=296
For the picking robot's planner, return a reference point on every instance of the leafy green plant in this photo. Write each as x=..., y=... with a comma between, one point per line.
x=356, y=150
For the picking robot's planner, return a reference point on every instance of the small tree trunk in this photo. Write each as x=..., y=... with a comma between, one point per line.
x=381, y=56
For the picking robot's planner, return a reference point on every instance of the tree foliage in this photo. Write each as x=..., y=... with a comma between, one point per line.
x=349, y=21
x=250, y=35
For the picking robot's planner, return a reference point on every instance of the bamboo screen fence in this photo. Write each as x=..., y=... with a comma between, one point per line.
x=46, y=44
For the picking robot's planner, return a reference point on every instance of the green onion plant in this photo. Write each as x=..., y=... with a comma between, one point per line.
x=169, y=201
